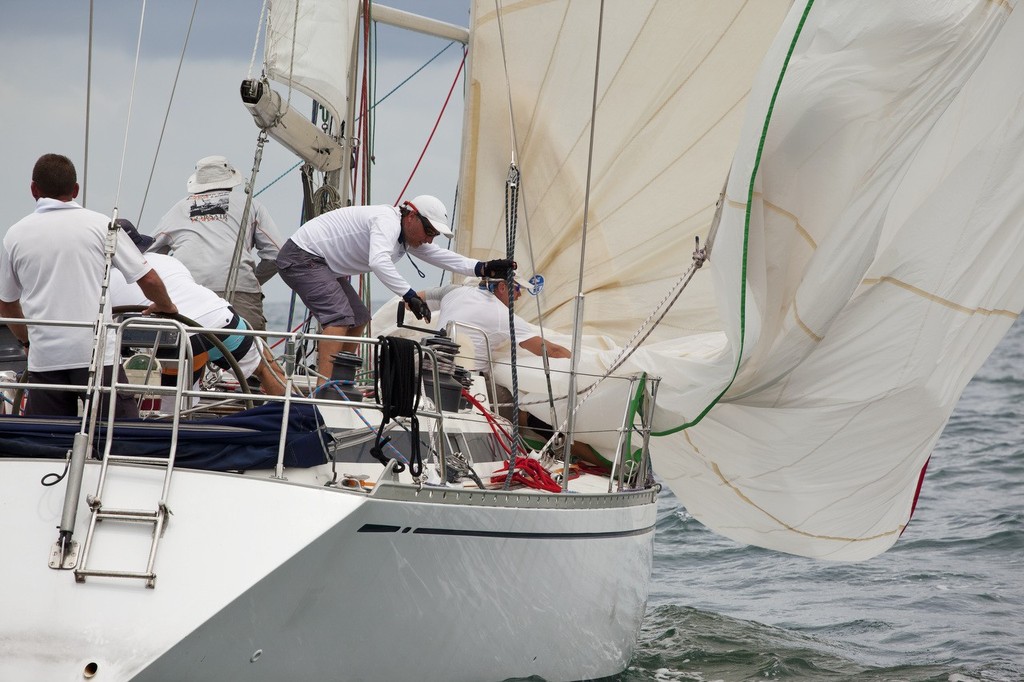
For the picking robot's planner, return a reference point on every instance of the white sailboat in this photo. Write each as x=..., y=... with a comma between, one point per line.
x=865, y=258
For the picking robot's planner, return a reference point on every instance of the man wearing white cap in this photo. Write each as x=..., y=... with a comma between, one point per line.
x=318, y=260
x=486, y=307
x=201, y=231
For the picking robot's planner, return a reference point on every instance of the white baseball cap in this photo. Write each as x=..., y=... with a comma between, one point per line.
x=213, y=172
x=433, y=210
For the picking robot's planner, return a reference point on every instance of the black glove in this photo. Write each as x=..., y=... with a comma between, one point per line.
x=496, y=269
x=417, y=305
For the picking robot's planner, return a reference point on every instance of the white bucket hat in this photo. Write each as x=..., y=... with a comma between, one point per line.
x=213, y=172
x=434, y=211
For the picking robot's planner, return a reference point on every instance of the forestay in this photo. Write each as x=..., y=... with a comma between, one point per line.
x=869, y=255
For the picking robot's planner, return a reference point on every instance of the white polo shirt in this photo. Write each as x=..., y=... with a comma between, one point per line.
x=52, y=261
x=360, y=239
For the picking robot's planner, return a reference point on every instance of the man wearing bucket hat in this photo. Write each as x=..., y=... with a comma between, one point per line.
x=201, y=231
x=318, y=260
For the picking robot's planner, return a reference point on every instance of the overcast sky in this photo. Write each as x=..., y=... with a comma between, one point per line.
x=44, y=47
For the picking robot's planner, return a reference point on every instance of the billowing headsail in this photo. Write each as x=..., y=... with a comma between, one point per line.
x=883, y=263
x=870, y=252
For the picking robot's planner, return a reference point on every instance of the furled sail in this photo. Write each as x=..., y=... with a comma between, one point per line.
x=870, y=252
x=309, y=47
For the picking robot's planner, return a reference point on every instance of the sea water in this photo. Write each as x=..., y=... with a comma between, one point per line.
x=946, y=603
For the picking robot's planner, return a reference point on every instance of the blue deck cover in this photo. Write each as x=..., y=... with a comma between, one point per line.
x=242, y=441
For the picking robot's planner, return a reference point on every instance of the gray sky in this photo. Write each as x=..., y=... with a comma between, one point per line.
x=44, y=47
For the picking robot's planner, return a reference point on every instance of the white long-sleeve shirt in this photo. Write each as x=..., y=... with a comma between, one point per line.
x=360, y=239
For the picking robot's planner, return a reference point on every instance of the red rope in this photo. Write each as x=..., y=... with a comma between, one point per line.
x=495, y=426
x=530, y=473
x=434, y=130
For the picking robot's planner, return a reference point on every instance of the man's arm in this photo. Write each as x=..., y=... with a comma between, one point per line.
x=536, y=346
x=434, y=295
x=13, y=309
x=265, y=271
x=153, y=287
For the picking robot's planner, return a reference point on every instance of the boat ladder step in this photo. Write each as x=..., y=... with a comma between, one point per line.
x=129, y=459
x=121, y=471
x=157, y=518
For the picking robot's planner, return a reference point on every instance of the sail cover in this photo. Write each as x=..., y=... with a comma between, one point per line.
x=870, y=252
x=309, y=46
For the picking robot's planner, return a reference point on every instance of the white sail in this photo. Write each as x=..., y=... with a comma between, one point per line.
x=673, y=80
x=868, y=257
x=309, y=47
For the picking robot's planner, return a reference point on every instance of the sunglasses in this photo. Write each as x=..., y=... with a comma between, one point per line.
x=428, y=229
x=494, y=285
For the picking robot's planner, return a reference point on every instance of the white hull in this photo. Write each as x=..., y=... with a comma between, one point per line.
x=261, y=579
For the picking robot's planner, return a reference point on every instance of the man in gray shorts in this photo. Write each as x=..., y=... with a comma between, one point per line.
x=318, y=261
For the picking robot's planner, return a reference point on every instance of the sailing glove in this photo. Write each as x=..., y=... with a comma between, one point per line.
x=496, y=269
x=417, y=305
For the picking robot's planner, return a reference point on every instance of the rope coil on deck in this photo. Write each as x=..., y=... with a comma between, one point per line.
x=398, y=367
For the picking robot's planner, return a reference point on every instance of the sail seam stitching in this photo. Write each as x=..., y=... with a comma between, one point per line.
x=739, y=493
x=939, y=299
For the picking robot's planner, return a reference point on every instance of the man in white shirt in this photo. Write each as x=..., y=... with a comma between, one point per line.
x=318, y=260
x=208, y=310
x=51, y=268
x=201, y=231
x=486, y=307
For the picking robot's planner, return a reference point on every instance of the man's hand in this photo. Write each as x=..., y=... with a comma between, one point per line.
x=496, y=269
x=157, y=308
x=417, y=305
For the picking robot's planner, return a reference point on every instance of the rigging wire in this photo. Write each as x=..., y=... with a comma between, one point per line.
x=640, y=336
x=508, y=82
x=590, y=156
x=167, y=113
x=358, y=118
x=256, y=42
x=433, y=130
x=131, y=101
x=514, y=169
x=577, y=327
x=88, y=103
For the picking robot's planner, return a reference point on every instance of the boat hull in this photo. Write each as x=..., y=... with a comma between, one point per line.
x=262, y=579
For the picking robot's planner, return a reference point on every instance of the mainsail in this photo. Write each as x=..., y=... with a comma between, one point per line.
x=869, y=254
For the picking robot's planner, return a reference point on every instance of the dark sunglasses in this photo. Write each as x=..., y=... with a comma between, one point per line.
x=428, y=229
